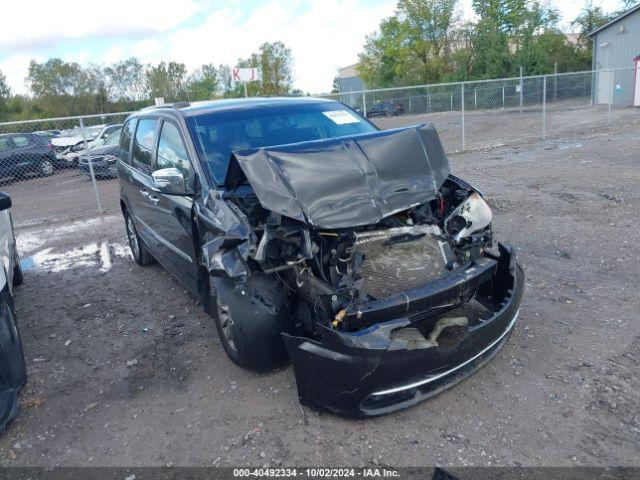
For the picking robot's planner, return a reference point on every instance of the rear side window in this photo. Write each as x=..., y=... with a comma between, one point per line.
x=21, y=141
x=143, y=144
x=125, y=140
x=171, y=150
x=5, y=144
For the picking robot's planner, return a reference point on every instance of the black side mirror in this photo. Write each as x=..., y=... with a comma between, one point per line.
x=5, y=201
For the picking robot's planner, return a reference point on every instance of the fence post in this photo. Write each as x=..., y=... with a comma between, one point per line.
x=475, y=98
x=462, y=108
x=428, y=101
x=410, y=109
x=555, y=81
x=544, y=107
x=451, y=94
x=93, y=177
x=364, y=103
x=521, y=89
x=613, y=89
x=503, y=97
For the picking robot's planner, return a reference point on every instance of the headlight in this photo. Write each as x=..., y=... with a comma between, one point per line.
x=470, y=216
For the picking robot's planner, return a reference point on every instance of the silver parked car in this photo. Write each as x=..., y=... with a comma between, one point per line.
x=13, y=372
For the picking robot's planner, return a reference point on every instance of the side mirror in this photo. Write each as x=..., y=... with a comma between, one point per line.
x=5, y=201
x=169, y=181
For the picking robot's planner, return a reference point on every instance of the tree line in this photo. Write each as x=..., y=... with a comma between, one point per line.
x=58, y=88
x=428, y=41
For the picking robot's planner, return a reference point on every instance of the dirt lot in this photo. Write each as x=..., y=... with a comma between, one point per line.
x=125, y=369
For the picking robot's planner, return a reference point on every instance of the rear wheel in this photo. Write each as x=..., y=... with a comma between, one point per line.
x=249, y=318
x=140, y=253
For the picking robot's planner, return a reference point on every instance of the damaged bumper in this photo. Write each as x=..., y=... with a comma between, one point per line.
x=371, y=372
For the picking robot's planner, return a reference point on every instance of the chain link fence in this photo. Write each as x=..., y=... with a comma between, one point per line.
x=486, y=113
x=59, y=168
x=64, y=168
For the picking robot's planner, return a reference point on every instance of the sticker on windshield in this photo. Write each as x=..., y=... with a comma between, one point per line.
x=340, y=117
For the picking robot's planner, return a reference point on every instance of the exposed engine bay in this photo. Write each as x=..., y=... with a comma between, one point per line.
x=331, y=272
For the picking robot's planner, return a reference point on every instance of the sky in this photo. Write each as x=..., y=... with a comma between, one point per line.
x=323, y=35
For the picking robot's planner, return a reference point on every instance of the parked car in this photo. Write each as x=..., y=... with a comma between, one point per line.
x=13, y=372
x=70, y=148
x=309, y=235
x=385, y=109
x=103, y=159
x=25, y=153
x=49, y=133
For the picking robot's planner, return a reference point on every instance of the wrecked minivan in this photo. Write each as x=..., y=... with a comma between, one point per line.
x=311, y=236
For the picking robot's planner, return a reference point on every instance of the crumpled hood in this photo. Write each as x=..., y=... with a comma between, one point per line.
x=67, y=141
x=348, y=181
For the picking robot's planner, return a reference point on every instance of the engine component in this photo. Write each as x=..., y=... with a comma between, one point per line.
x=390, y=267
x=470, y=216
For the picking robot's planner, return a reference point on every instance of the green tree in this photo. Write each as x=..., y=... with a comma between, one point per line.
x=167, y=80
x=62, y=88
x=276, y=67
x=204, y=83
x=412, y=46
x=335, y=85
x=128, y=80
x=5, y=94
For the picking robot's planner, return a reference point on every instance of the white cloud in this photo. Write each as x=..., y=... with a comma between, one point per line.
x=15, y=68
x=31, y=23
x=322, y=34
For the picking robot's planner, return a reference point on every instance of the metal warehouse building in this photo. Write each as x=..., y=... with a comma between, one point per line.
x=616, y=45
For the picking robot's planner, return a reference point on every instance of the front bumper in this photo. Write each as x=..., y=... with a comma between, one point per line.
x=369, y=373
x=101, y=168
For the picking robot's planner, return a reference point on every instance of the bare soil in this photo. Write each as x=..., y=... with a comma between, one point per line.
x=126, y=370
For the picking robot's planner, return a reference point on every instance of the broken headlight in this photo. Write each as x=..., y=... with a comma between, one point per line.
x=472, y=215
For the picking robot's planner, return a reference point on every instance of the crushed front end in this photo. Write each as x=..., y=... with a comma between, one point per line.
x=396, y=287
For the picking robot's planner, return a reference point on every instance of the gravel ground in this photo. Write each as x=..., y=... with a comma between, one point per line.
x=126, y=370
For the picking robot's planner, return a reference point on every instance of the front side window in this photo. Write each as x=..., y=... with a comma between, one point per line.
x=21, y=141
x=171, y=150
x=125, y=140
x=218, y=134
x=143, y=144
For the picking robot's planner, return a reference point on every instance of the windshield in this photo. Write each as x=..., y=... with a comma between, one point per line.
x=93, y=132
x=217, y=134
x=113, y=138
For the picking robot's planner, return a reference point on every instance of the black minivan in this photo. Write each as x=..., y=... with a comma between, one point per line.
x=313, y=237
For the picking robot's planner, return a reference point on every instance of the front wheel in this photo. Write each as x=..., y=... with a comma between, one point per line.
x=46, y=168
x=249, y=318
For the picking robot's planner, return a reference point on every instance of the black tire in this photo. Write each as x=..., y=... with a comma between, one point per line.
x=18, y=277
x=140, y=253
x=250, y=318
x=46, y=168
x=14, y=369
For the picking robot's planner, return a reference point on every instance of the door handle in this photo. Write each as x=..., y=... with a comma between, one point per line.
x=152, y=198
x=144, y=193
